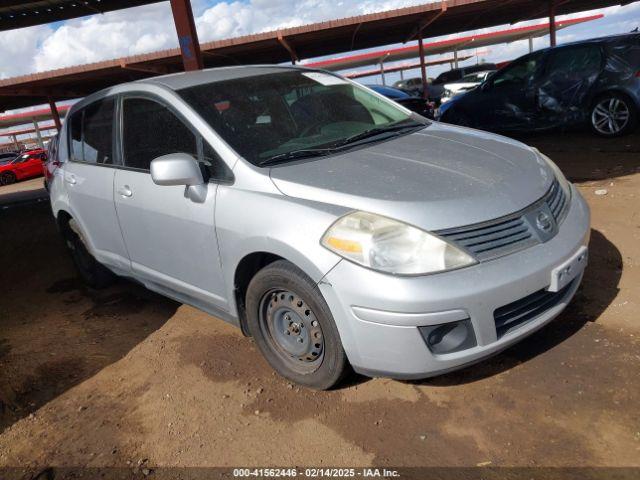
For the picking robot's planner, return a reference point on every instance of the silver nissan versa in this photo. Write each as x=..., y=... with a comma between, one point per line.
x=335, y=227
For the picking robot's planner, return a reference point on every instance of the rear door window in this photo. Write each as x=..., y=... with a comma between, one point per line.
x=91, y=133
x=569, y=75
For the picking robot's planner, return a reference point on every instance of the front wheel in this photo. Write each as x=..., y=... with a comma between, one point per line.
x=613, y=115
x=293, y=327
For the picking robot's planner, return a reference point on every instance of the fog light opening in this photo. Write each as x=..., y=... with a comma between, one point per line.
x=449, y=337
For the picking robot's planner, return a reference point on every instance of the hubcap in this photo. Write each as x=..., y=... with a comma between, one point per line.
x=610, y=116
x=293, y=329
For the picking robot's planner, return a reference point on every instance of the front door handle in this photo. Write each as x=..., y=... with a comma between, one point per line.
x=125, y=191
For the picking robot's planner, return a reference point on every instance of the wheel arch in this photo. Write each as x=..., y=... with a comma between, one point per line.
x=245, y=270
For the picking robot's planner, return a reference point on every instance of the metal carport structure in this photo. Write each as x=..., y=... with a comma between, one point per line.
x=290, y=44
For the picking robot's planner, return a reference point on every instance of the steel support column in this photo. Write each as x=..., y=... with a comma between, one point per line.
x=530, y=44
x=15, y=142
x=552, y=23
x=187, y=35
x=455, y=58
x=38, y=134
x=384, y=82
x=423, y=67
x=55, y=114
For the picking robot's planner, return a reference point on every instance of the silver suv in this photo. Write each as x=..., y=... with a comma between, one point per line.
x=332, y=225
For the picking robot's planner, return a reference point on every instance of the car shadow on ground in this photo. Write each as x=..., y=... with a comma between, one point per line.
x=55, y=332
x=598, y=290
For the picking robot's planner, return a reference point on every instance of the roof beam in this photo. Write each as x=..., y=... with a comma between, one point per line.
x=427, y=21
x=541, y=12
x=36, y=92
x=155, y=69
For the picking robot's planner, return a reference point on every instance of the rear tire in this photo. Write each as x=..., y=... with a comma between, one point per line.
x=7, y=178
x=613, y=115
x=293, y=327
x=92, y=272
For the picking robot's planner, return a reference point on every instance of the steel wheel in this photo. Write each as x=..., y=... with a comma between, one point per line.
x=610, y=116
x=293, y=330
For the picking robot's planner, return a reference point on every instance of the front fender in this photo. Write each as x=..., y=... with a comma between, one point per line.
x=248, y=222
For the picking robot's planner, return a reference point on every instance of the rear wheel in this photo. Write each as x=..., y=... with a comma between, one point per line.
x=613, y=115
x=293, y=327
x=93, y=273
x=7, y=178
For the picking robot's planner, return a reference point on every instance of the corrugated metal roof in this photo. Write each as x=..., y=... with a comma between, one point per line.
x=28, y=13
x=308, y=41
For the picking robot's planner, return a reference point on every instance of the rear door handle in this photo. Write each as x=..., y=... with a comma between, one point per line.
x=71, y=179
x=125, y=191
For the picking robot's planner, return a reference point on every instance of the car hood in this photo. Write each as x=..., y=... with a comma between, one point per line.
x=439, y=177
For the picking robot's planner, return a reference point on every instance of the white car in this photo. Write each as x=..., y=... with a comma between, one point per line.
x=466, y=83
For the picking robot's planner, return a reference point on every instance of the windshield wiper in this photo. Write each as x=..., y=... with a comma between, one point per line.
x=374, y=132
x=337, y=146
x=294, y=155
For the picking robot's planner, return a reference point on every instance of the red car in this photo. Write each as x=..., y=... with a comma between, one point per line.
x=27, y=165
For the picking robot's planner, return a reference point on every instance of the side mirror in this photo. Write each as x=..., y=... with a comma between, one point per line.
x=180, y=169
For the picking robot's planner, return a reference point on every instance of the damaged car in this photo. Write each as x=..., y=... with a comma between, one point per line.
x=593, y=83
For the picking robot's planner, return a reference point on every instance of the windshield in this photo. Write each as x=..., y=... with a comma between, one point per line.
x=277, y=114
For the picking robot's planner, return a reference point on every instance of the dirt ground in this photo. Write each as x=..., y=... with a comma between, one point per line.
x=115, y=377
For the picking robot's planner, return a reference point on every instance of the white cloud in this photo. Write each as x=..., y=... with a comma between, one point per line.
x=18, y=48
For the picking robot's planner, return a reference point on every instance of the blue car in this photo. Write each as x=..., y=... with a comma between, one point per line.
x=594, y=82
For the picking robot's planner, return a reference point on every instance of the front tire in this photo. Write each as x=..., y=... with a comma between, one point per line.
x=613, y=115
x=7, y=178
x=293, y=327
x=92, y=272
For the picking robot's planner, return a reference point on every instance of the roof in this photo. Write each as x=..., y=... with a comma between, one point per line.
x=404, y=66
x=28, y=13
x=177, y=81
x=308, y=41
x=447, y=46
x=26, y=131
x=22, y=118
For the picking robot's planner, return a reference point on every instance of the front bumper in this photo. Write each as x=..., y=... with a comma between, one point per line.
x=378, y=315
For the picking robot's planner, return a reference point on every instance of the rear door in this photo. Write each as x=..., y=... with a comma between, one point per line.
x=565, y=88
x=88, y=177
x=170, y=238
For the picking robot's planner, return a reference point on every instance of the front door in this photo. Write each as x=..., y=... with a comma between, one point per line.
x=509, y=101
x=170, y=238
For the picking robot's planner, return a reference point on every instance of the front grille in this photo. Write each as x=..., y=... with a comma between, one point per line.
x=499, y=237
x=557, y=200
x=521, y=312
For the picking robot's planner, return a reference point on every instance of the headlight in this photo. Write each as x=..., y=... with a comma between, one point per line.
x=564, y=183
x=391, y=246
